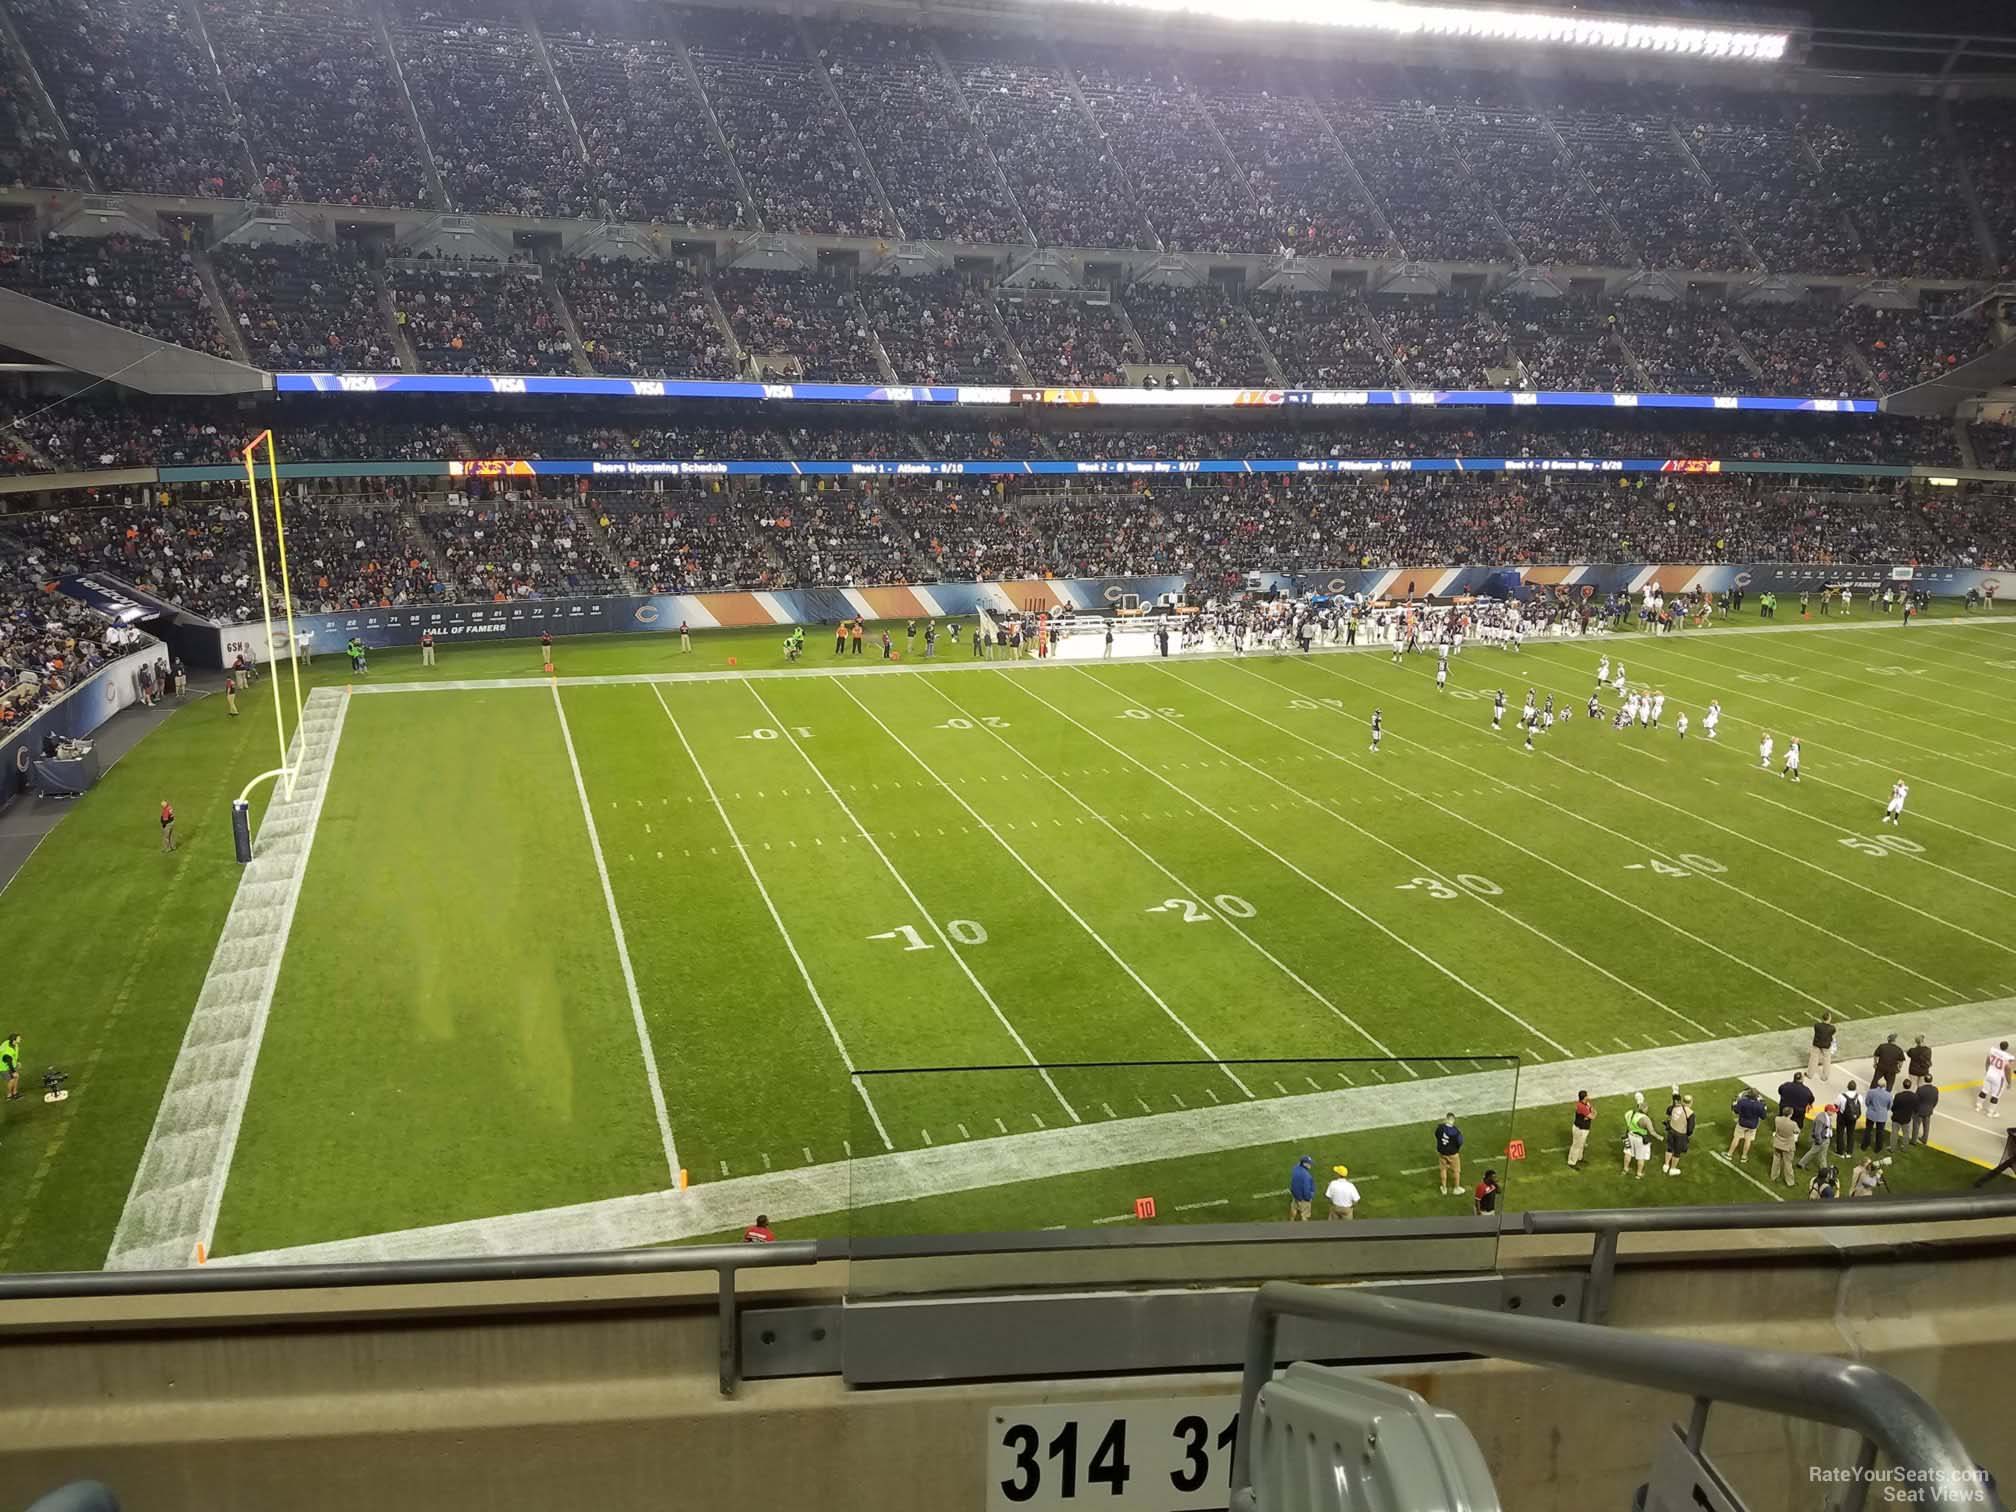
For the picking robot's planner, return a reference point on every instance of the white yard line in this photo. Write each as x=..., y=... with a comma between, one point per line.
x=665, y=1140
x=1747, y=839
x=1298, y=794
x=1897, y=688
x=1056, y=897
x=170, y=1217
x=1132, y=844
x=1807, y=715
x=1327, y=1117
x=804, y=974
x=1840, y=829
x=1370, y=1038
x=1744, y=961
x=1406, y=791
x=930, y=919
x=1776, y=1194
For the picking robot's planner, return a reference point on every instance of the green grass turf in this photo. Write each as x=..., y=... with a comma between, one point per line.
x=452, y=1038
x=450, y=1034
x=107, y=941
x=1397, y=1175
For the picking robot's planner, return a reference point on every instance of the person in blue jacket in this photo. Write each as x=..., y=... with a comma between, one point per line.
x=1301, y=1189
x=1449, y=1155
x=1749, y=1109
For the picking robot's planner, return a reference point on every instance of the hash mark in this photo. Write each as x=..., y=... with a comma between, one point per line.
x=1108, y=1107
x=927, y=1135
x=964, y=1133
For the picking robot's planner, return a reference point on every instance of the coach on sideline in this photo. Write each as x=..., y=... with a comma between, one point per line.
x=1301, y=1189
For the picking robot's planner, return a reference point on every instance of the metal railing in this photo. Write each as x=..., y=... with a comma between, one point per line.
x=725, y=1260
x=1606, y=1225
x=1888, y=1415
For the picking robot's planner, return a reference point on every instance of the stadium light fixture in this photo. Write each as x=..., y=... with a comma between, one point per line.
x=1397, y=18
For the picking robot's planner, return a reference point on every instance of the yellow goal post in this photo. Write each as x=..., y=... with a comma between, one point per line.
x=266, y=469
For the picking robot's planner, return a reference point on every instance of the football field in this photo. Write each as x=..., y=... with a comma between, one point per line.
x=564, y=943
x=628, y=955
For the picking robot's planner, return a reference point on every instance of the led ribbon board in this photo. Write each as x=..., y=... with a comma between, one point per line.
x=1070, y=398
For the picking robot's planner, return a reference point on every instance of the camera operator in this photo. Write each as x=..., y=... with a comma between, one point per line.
x=10, y=1062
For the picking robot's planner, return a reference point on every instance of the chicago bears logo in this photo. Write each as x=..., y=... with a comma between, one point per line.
x=646, y=614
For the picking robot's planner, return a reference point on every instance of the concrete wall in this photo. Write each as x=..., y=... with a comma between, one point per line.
x=603, y=1393
x=140, y=362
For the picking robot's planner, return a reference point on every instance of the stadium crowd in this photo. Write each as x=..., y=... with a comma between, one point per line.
x=147, y=286
x=936, y=330
x=812, y=323
x=644, y=320
x=501, y=140
x=323, y=115
x=784, y=130
x=87, y=433
x=652, y=155
x=690, y=541
x=138, y=93
x=401, y=545
x=1066, y=340
x=1199, y=329
x=316, y=305
x=926, y=147
x=857, y=130
x=308, y=306
x=478, y=317
x=517, y=548
x=47, y=642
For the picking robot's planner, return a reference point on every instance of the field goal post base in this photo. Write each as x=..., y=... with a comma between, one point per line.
x=241, y=812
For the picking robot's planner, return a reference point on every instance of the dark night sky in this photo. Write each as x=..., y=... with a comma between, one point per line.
x=1991, y=16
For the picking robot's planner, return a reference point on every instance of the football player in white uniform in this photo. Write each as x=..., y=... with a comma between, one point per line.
x=1893, y=811
x=1764, y=749
x=1712, y=718
x=1791, y=760
x=1994, y=1077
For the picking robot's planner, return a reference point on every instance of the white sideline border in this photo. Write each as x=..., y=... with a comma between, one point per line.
x=128, y=1244
x=652, y=1218
x=999, y=663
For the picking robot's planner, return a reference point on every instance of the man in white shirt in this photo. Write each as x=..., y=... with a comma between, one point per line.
x=1342, y=1194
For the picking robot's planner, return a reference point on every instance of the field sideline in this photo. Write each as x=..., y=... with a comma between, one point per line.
x=1060, y=871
